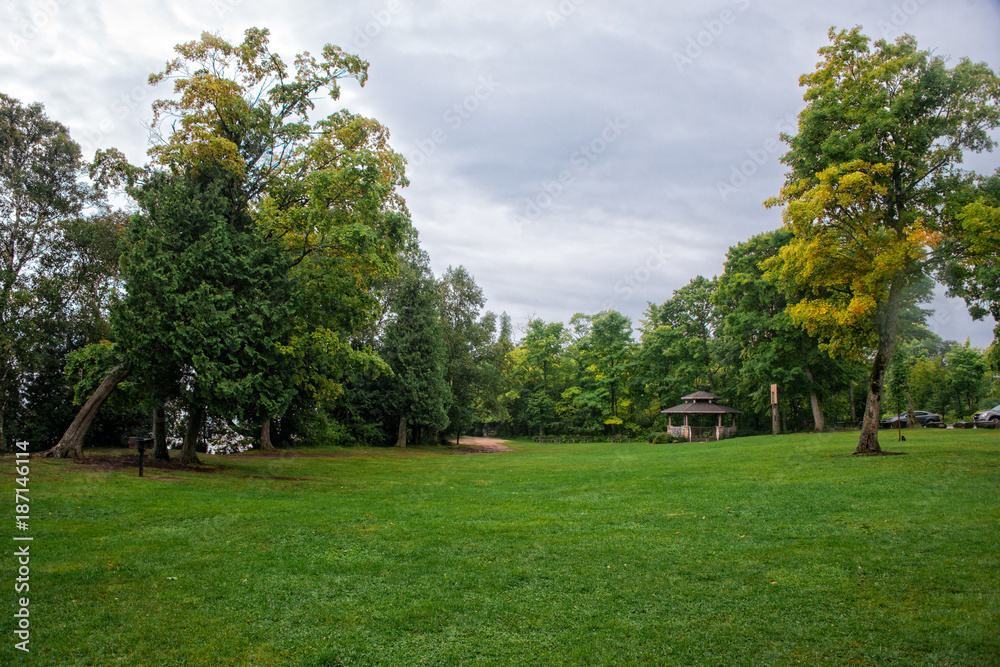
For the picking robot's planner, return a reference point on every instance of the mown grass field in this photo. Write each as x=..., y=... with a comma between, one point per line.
x=746, y=552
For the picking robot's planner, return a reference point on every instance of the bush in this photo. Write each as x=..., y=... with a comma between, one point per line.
x=663, y=438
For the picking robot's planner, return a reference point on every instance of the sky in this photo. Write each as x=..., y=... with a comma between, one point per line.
x=573, y=155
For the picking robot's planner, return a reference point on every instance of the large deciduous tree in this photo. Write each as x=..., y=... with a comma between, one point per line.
x=876, y=156
x=327, y=191
x=262, y=234
x=58, y=258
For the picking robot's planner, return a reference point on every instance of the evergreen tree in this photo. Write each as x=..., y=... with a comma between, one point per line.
x=413, y=347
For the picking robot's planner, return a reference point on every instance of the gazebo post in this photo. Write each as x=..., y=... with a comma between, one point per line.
x=718, y=427
x=687, y=428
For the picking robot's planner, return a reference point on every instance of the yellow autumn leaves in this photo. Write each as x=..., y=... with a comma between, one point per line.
x=850, y=244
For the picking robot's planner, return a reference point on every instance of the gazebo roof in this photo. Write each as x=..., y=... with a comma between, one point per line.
x=700, y=396
x=701, y=403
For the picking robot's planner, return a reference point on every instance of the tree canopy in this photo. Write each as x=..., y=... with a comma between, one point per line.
x=876, y=157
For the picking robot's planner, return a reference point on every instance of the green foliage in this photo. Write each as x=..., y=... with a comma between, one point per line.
x=663, y=438
x=239, y=108
x=875, y=160
x=969, y=256
x=469, y=340
x=57, y=274
x=414, y=348
x=298, y=225
x=208, y=302
x=685, y=334
x=773, y=349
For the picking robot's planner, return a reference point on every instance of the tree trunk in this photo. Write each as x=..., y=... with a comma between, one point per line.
x=265, y=437
x=72, y=440
x=887, y=318
x=160, y=452
x=189, y=453
x=854, y=415
x=815, y=402
x=401, y=437
x=911, y=415
x=3, y=438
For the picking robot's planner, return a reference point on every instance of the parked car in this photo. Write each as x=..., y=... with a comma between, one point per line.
x=988, y=415
x=923, y=418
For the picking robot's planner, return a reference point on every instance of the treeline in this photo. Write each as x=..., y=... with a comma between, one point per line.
x=730, y=336
x=266, y=283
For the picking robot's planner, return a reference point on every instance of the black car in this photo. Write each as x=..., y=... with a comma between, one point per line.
x=988, y=415
x=923, y=418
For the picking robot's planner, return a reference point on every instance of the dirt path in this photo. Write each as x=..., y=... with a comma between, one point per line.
x=474, y=445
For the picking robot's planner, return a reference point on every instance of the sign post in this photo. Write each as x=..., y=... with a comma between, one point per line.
x=140, y=444
x=775, y=424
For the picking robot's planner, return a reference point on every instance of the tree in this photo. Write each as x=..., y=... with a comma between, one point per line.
x=686, y=325
x=326, y=191
x=610, y=356
x=490, y=401
x=606, y=362
x=309, y=213
x=543, y=345
x=876, y=155
x=207, y=307
x=772, y=348
x=465, y=337
x=968, y=379
x=969, y=256
x=238, y=107
x=58, y=258
x=413, y=347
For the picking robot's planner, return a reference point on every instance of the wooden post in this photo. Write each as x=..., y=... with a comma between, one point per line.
x=854, y=416
x=775, y=425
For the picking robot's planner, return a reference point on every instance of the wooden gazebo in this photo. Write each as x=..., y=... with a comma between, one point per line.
x=701, y=403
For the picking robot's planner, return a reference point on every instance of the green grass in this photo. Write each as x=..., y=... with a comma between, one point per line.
x=746, y=552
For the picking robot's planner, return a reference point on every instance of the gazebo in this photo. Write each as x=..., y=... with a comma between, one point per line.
x=701, y=403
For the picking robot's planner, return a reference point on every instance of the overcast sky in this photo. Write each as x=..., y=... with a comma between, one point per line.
x=573, y=155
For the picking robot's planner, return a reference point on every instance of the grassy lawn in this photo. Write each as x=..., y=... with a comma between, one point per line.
x=751, y=551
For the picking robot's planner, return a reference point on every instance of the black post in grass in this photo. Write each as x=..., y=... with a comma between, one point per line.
x=140, y=444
